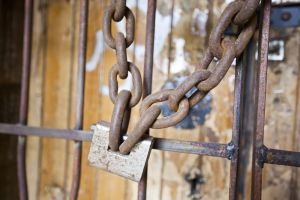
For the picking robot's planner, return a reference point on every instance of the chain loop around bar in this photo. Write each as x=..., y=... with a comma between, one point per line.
x=143, y=124
x=225, y=48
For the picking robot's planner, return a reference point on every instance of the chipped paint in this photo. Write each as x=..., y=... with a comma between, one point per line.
x=199, y=20
x=91, y=64
x=179, y=63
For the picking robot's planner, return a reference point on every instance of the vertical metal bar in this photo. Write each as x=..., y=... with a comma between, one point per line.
x=150, y=32
x=26, y=58
x=238, y=107
x=247, y=127
x=84, y=5
x=260, y=94
x=148, y=71
x=242, y=123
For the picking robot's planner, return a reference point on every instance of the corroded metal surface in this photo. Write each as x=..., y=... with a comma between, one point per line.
x=199, y=148
x=225, y=48
x=260, y=101
x=76, y=175
x=121, y=114
x=23, y=114
x=130, y=166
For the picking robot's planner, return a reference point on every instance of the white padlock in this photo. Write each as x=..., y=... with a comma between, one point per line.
x=130, y=166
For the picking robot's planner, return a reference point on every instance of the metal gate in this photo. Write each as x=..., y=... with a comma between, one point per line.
x=241, y=120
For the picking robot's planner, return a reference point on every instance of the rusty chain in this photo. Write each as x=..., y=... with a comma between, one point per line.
x=240, y=13
x=123, y=100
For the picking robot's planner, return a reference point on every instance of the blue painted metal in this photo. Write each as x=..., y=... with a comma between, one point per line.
x=285, y=16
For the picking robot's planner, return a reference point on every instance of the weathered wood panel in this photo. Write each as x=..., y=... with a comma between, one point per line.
x=280, y=182
x=56, y=99
x=38, y=63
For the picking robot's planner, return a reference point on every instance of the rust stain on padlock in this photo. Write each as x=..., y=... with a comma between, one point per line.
x=130, y=166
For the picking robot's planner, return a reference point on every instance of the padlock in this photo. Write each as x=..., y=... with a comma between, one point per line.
x=130, y=166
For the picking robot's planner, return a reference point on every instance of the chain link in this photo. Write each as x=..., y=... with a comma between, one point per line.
x=121, y=56
x=117, y=119
x=120, y=9
x=136, y=79
x=246, y=12
x=161, y=96
x=224, y=48
x=130, y=26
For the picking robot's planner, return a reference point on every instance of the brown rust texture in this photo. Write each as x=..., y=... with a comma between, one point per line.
x=178, y=48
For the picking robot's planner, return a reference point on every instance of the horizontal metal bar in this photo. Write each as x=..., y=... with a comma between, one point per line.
x=273, y=156
x=201, y=148
x=281, y=157
x=67, y=134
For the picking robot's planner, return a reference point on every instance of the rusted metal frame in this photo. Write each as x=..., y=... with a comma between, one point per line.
x=147, y=78
x=281, y=157
x=234, y=146
x=67, y=134
x=245, y=136
x=23, y=113
x=260, y=99
x=83, y=28
x=199, y=148
x=190, y=147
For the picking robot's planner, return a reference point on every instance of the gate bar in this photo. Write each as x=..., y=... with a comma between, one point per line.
x=260, y=97
x=23, y=113
x=84, y=6
x=238, y=115
x=291, y=158
x=194, y=147
x=281, y=157
x=147, y=80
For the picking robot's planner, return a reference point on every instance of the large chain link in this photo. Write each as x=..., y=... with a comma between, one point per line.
x=224, y=48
